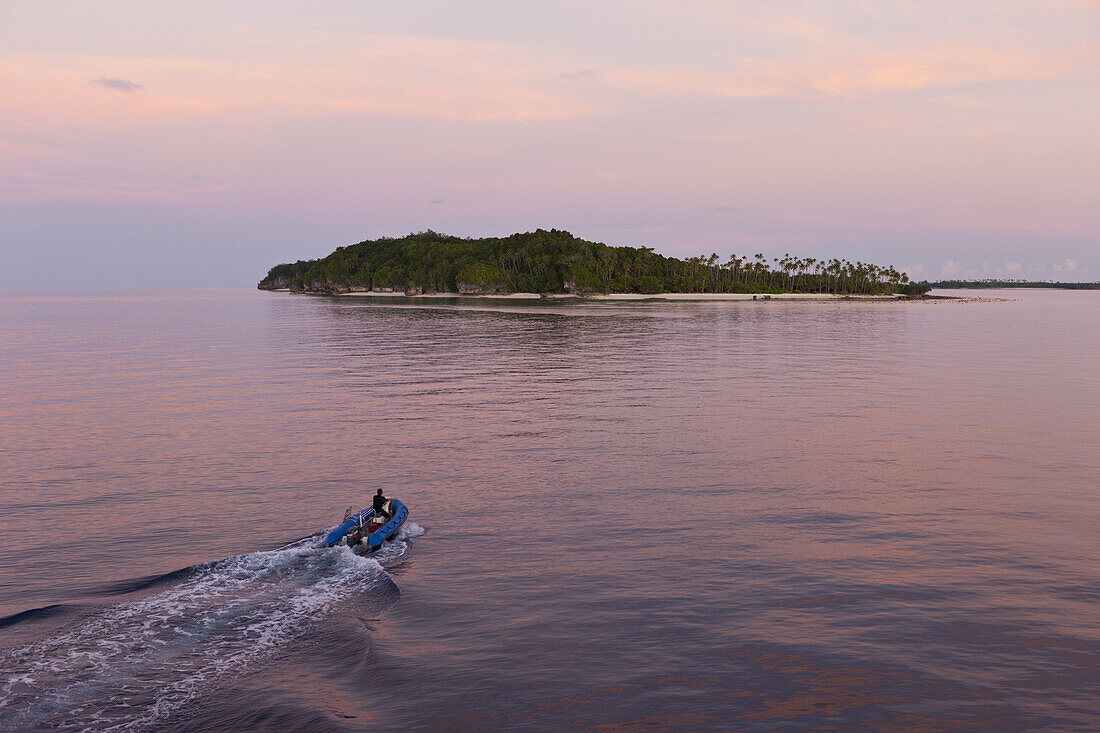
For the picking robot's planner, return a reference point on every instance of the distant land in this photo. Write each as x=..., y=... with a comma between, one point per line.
x=556, y=262
x=989, y=284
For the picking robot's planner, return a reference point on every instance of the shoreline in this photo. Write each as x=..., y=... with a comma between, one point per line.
x=621, y=297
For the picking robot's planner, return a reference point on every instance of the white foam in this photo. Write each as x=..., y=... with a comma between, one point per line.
x=168, y=646
x=409, y=530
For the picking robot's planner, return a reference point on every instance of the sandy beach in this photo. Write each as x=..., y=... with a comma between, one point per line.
x=633, y=296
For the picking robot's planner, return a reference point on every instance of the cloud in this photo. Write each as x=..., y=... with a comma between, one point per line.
x=436, y=200
x=122, y=85
x=944, y=66
x=1011, y=269
x=578, y=75
x=851, y=72
x=914, y=271
x=313, y=76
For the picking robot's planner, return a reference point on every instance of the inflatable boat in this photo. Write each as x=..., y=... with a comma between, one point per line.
x=366, y=530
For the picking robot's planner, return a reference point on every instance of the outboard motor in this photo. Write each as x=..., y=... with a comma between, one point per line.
x=354, y=536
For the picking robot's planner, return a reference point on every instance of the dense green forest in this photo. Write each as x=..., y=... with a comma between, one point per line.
x=985, y=284
x=557, y=262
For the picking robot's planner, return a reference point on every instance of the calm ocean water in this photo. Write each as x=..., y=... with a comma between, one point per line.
x=674, y=516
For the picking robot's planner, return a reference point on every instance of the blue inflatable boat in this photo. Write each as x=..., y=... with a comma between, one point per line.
x=366, y=531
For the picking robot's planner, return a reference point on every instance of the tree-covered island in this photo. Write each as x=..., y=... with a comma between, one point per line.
x=1007, y=284
x=556, y=262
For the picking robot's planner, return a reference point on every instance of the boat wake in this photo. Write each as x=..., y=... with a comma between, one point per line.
x=131, y=665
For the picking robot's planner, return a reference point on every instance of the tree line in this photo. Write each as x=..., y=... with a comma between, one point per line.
x=554, y=261
x=984, y=284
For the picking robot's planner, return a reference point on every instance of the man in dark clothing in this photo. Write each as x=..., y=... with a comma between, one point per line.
x=380, y=505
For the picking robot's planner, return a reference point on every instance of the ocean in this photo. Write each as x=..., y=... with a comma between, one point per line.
x=751, y=516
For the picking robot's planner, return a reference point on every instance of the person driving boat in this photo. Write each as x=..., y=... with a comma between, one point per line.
x=382, y=507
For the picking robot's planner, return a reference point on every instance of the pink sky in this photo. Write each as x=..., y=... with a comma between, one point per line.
x=202, y=142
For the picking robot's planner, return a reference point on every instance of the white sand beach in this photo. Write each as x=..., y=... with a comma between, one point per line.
x=696, y=297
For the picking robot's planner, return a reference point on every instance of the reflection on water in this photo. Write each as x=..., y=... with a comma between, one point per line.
x=757, y=516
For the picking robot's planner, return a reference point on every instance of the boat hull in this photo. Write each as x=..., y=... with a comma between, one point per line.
x=375, y=539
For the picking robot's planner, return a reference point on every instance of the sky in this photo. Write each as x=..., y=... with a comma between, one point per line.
x=201, y=142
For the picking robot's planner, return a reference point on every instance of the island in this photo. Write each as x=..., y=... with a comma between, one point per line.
x=1004, y=284
x=555, y=263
